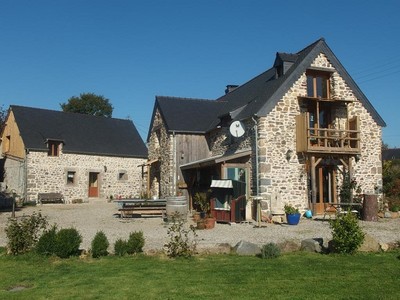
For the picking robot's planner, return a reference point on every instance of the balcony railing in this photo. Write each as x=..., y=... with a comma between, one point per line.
x=332, y=140
x=328, y=140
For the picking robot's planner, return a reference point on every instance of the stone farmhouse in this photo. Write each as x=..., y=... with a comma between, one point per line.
x=290, y=135
x=77, y=155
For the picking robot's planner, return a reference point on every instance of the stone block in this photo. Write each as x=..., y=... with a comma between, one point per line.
x=247, y=249
x=289, y=246
x=370, y=244
x=278, y=219
x=388, y=214
x=311, y=245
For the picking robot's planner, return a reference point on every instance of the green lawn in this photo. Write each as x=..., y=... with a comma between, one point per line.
x=292, y=276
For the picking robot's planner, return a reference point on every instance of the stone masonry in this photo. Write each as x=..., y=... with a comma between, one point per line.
x=277, y=135
x=49, y=174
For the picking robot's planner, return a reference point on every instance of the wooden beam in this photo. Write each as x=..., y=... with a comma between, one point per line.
x=313, y=185
x=344, y=163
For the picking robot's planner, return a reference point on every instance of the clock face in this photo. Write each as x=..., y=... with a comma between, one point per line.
x=237, y=129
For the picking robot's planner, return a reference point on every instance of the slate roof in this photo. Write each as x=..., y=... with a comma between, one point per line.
x=188, y=115
x=84, y=134
x=391, y=154
x=257, y=97
x=260, y=95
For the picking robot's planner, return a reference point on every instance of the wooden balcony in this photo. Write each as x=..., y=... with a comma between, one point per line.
x=329, y=141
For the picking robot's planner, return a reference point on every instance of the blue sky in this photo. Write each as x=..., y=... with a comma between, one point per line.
x=131, y=51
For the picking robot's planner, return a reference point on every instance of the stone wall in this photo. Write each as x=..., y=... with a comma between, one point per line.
x=277, y=134
x=49, y=174
x=160, y=148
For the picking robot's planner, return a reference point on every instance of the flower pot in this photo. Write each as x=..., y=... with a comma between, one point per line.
x=293, y=219
x=209, y=223
x=201, y=224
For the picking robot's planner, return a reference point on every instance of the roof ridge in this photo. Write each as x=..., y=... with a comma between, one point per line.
x=184, y=98
x=321, y=39
x=67, y=112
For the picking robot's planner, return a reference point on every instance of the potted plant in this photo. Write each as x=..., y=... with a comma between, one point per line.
x=209, y=221
x=292, y=214
x=202, y=202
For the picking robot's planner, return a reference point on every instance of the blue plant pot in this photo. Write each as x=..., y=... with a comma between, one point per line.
x=293, y=219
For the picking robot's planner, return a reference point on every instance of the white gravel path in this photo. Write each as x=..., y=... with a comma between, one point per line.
x=97, y=215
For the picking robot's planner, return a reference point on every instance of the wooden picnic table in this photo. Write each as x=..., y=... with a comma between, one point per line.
x=141, y=206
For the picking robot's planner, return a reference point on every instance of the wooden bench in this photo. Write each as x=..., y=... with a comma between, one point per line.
x=50, y=198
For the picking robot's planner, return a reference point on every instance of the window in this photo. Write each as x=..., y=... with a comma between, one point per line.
x=70, y=177
x=318, y=84
x=122, y=175
x=54, y=148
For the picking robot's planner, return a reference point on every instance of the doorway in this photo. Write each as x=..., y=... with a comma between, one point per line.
x=93, y=184
x=326, y=187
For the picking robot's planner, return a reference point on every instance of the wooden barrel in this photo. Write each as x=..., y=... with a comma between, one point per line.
x=370, y=208
x=177, y=205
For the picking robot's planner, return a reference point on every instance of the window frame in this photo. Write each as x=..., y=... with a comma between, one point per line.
x=73, y=182
x=313, y=77
x=124, y=176
x=54, y=148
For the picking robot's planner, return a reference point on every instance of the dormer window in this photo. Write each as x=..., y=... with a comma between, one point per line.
x=54, y=147
x=318, y=84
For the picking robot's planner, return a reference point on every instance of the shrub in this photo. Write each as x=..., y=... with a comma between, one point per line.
x=23, y=234
x=270, y=250
x=347, y=235
x=135, y=242
x=120, y=247
x=180, y=244
x=47, y=242
x=68, y=241
x=100, y=245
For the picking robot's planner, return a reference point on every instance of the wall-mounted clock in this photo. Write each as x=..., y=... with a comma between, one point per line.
x=237, y=129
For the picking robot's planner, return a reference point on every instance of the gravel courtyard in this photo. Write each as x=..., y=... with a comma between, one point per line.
x=97, y=215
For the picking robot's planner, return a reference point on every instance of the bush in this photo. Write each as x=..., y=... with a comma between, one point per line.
x=347, y=235
x=47, y=242
x=120, y=247
x=135, y=242
x=180, y=244
x=100, y=245
x=23, y=234
x=270, y=250
x=68, y=241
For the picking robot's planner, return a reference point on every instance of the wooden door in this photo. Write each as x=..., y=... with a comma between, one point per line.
x=93, y=184
x=326, y=187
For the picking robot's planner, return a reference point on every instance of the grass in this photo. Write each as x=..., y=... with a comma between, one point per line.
x=291, y=276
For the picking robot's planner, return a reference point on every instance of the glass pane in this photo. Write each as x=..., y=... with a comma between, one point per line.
x=238, y=174
x=310, y=86
x=324, y=87
x=319, y=87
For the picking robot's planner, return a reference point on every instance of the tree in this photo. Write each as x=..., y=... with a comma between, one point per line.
x=90, y=104
x=3, y=115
